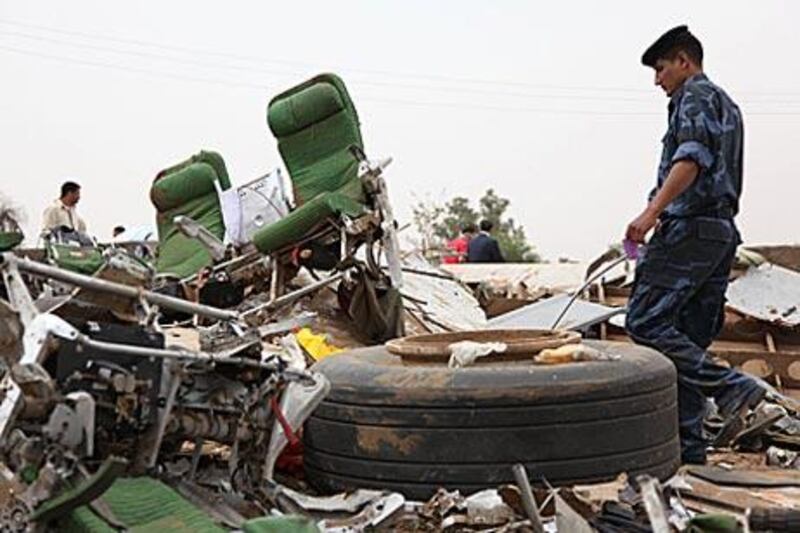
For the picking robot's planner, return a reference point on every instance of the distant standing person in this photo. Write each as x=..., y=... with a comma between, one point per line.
x=458, y=247
x=483, y=248
x=62, y=212
x=677, y=304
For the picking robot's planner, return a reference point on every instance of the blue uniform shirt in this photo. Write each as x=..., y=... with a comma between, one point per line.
x=705, y=126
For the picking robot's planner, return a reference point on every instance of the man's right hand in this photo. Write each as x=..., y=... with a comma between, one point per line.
x=637, y=230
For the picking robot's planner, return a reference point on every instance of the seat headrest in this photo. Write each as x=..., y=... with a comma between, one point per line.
x=294, y=112
x=182, y=185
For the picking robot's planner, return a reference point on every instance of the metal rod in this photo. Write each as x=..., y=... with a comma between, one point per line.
x=252, y=256
x=582, y=288
x=144, y=351
x=428, y=273
x=654, y=505
x=88, y=282
x=292, y=296
x=148, y=456
x=528, y=501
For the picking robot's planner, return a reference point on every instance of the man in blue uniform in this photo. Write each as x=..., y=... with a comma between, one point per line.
x=677, y=305
x=483, y=248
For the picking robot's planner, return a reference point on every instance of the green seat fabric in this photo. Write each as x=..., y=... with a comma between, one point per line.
x=204, y=156
x=82, y=260
x=144, y=505
x=299, y=223
x=188, y=189
x=10, y=239
x=280, y=524
x=315, y=124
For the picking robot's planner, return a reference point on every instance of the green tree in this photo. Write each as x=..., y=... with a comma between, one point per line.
x=457, y=214
x=438, y=223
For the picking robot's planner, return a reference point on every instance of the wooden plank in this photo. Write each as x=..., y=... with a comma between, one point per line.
x=752, y=357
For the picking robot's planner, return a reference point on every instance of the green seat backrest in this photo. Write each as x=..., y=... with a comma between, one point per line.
x=188, y=189
x=315, y=124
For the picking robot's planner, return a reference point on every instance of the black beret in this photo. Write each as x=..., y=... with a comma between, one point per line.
x=665, y=43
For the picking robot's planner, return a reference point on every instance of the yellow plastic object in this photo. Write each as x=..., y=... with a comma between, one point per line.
x=315, y=344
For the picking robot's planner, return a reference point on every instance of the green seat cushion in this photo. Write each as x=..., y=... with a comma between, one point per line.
x=10, y=239
x=298, y=224
x=145, y=505
x=83, y=260
x=280, y=524
x=315, y=124
x=188, y=189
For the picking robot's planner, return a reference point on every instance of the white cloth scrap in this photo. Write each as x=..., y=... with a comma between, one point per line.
x=464, y=353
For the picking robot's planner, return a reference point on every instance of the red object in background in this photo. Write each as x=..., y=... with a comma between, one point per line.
x=458, y=248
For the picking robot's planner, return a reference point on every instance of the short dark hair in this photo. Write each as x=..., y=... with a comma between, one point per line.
x=118, y=229
x=469, y=228
x=486, y=225
x=669, y=45
x=68, y=187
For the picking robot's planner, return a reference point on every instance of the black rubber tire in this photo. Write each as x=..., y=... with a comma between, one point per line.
x=417, y=427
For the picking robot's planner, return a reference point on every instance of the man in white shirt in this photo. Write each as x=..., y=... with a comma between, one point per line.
x=62, y=212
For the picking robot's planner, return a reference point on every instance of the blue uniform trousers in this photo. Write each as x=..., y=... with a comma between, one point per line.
x=677, y=308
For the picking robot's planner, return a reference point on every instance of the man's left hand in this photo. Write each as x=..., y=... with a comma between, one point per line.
x=637, y=230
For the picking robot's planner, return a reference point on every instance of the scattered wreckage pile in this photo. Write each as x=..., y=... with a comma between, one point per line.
x=85, y=402
x=186, y=426
x=127, y=367
x=253, y=361
x=755, y=463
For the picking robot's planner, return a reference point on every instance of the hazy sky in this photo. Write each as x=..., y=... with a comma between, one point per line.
x=546, y=102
